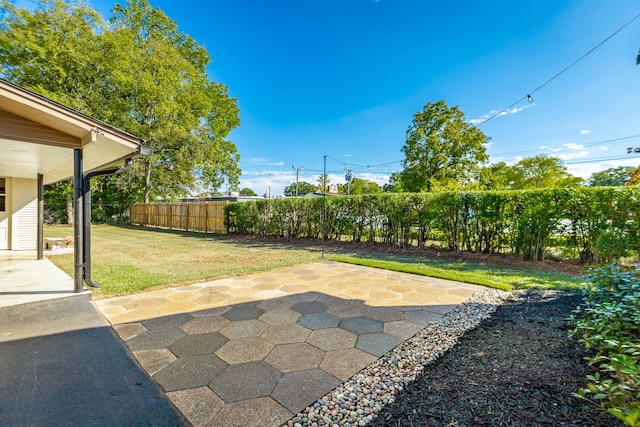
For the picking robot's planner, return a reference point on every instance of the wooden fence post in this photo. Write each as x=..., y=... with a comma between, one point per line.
x=187, y=229
x=206, y=217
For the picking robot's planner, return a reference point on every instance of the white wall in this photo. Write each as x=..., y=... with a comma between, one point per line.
x=5, y=229
x=24, y=214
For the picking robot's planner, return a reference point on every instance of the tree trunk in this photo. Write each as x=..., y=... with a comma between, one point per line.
x=69, y=209
x=147, y=182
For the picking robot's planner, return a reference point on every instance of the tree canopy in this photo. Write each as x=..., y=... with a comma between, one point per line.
x=540, y=172
x=610, y=177
x=634, y=176
x=529, y=173
x=360, y=186
x=137, y=72
x=441, y=149
x=303, y=188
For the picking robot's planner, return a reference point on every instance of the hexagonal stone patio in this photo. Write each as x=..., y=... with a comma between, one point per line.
x=297, y=333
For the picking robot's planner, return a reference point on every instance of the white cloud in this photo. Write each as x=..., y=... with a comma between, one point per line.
x=496, y=113
x=575, y=155
x=263, y=161
x=584, y=170
x=585, y=132
x=565, y=147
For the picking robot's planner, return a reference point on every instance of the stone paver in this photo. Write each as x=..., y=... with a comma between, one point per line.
x=255, y=350
x=194, y=345
x=153, y=361
x=246, y=381
x=166, y=322
x=243, y=312
x=308, y=385
x=332, y=339
x=199, y=405
x=130, y=330
x=377, y=344
x=319, y=320
x=204, y=325
x=362, y=325
x=190, y=372
x=345, y=362
x=155, y=339
x=286, y=333
x=260, y=412
x=245, y=350
x=280, y=317
x=244, y=329
x=295, y=357
x=422, y=317
x=308, y=307
x=402, y=329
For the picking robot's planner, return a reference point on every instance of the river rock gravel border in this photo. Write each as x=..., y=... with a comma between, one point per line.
x=358, y=401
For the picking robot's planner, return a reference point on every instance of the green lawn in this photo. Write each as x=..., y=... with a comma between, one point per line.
x=480, y=274
x=129, y=259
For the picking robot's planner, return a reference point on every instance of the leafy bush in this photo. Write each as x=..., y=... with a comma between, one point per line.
x=609, y=324
x=596, y=225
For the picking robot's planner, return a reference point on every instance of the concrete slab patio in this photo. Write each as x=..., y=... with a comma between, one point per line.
x=25, y=279
x=257, y=349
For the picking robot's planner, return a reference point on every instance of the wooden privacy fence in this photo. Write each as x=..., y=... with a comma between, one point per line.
x=205, y=217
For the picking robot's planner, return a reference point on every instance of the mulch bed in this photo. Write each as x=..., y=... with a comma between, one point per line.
x=518, y=368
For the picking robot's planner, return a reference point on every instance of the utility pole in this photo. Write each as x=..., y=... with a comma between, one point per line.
x=348, y=178
x=297, y=173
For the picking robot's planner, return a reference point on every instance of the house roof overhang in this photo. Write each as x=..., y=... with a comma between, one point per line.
x=38, y=135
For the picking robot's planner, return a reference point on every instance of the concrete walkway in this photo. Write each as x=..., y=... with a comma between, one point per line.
x=62, y=365
x=257, y=349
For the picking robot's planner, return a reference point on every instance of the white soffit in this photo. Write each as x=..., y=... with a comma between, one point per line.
x=102, y=144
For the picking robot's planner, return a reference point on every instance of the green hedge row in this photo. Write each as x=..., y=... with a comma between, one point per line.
x=593, y=224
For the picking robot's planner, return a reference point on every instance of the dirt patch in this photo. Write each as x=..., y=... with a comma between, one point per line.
x=434, y=253
x=518, y=368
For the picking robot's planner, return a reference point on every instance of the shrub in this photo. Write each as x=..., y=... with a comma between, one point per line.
x=609, y=325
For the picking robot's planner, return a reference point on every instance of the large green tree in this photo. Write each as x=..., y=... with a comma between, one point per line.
x=394, y=185
x=137, y=72
x=55, y=49
x=303, y=188
x=360, y=186
x=540, y=172
x=496, y=176
x=610, y=177
x=442, y=149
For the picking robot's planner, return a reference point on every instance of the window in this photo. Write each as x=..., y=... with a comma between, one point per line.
x=3, y=194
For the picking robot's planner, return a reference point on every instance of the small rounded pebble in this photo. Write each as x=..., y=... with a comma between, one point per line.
x=359, y=400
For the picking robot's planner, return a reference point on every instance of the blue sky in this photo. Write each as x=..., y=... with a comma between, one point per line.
x=343, y=78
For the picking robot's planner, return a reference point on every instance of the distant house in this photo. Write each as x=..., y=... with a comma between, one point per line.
x=42, y=142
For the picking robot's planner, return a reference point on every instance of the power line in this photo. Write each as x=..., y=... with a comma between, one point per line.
x=368, y=166
x=629, y=138
x=599, y=159
x=528, y=96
